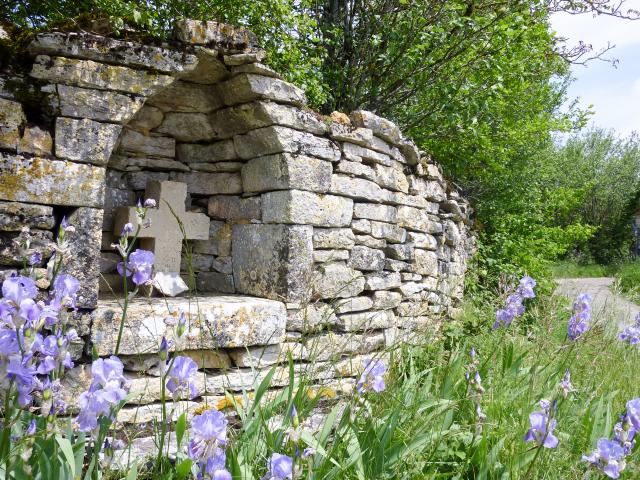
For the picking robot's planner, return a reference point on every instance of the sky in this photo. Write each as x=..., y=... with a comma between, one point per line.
x=614, y=92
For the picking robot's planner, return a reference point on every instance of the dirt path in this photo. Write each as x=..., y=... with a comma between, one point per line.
x=605, y=301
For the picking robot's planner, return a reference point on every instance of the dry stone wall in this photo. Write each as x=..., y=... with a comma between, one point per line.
x=329, y=237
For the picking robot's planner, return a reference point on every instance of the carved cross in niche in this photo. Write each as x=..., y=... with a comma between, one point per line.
x=164, y=237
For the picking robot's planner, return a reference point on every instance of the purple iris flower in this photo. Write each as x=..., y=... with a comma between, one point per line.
x=514, y=306
x=608, y=458
x=139, y=266
x=31, y=429
x=525, y=289
x=280, y=468
x=16, y=289
x=214, y=467
x=35, y=259
x=181, y=377
x=150, y=203
x=631, y=334
x=633, y=413
x=208, y=435
x=23, y=374
x=65, y=289
x=565, y=384
x=624, y=434
x=29, y=312
x=579, y=321
x=8, y=343
x=542, y=427
x=372, y=378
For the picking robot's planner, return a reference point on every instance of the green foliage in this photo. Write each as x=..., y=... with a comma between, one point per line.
x=628, y=280
x=571, y=269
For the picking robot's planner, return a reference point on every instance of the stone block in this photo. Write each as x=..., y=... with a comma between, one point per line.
x=348, y=133
x=354, y=304
x=430, y=189
x=187, y=127
x=382, y=280
x=90, y=74
x=212, y=322
x=332, y=345
x=396, y=265
x=371, y=242
x=187, y=97
x=272, y=261
x=137, y=143
x=336, y=280
x=277, y=139
x=213, y=33
x=201, y=183
x=422, y=240
x=85, y=141
x=250, y=116
x=400, y=198
x=373, y=320
x=197, y=262
x=361, y=226
x=15, y=215
x=135, y=163
x=109, y=262
x=357, y=151
x=223, y=265
x=214, y=152
x=139, y=180
x=11, y=114
x=390, y=232
x=286, y=172
x=404, y=251
x=53, y=182
x=218, y=167
x=391, y=178
x=300, y=207
x=99, y=105
x=339, y=238
x=410, y=288
x=366, y=259
x=146, y=119
x=323, y=256
x=256, y=68
x=381, y=127
x=246, y=87
x=357, y=169
x=310, y=318
x=227, y=207
x=426, y=262
x=357, y=188
x=259, y=357
x=219, y=242
x=245, y=58
x=14, y=253
x=413, y=219
x=372, y=211
x=215, y=282
x=84, y=259
x=384, y=299
x=36, y=141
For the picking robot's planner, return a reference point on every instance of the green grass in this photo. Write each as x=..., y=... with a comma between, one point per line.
x=628, y=281
x=567, y=269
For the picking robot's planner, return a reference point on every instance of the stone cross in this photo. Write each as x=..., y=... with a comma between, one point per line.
x=164, y=237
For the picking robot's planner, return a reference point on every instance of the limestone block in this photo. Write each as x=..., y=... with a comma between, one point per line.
x=413, y=219
x=223, y=265
x=228, y=207
x=113, y=199
x=390, y=232
x=246, y=87
x=413, y=309
x=85, y=141
x=350, y=149
x=146, y=119
x=36, y=141
x=215, y=282
x=259, y=357
x=137, y=143
x=372, y=211
x=310, y=318
x=272, y=261
x=139, y=180
x=109, y=262
x=134, y=163
x=357, y=188
x=97, y=104
x=410, y=288
x=104, y=49
x=404, y=251
x=187, y=127
x=9, y=137
x=371, y=242
x=219, y=242
x=382, y=280
x=209, y=69
x=422, y=240
x=213, y=33
x=452, y=235
x=409, y=151
x=198, y=262
x=84, y=259
x=15, y=215
x=201, y=183
x=336, y=280
x=356, y=168
x=214, y=152
x=12, y=248
x=339, y=238
x=212, y=322
x=277, y=139
x=361, y=226
x=426, y=262
x=384, y=299
x=430, y=189
x=355, y=304
x=244, y=58
x=286, y=171
x=300, y=207
x=372, y=320
x=89, y=74
x=323, y=256
x=332, y=345
x=53, y=182
x=400, y=198
x=257, y=68
x=452, y=207
x=11, y=119
x=218, y=167
x=347, y=133
x=366, y=259
x=381, y=127
x=186, y=97
x=391, y=178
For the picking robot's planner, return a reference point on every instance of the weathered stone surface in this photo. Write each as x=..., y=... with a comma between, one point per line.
x=372, y=211
x=311, y=318
x=108, y=50
x=227, y=207
x=219, y=242
x=215, y=34
x=382, y=281
x=422, y=240
x=277, y=139
x=244, y=58
x=381, y=127
x=214, y=152
x=410, y=277
x=36, y=141
x=300, y=207
x=451, y=233
x=14, y=253
x=246, y=87
x=322, y=256
x=202, y=183
x=53, y=182
x=198, y=262
x=85, y=140
x=187, y=127
x=332, y=346
x=388, y=231
x=384, y=299
x=357, y=188
x=400, y=198
x=139, y=180
x=361, y=226
x=258, y=357
x=215, y=282
x=355, y=304
x=11, y=113
x=223, y=265
x=391, y=178
x=249, y=116
x=430, y=189
x=84, y=259
x=396, y=265
x=272, y=261
x=209, y=70
x=347, y=133
x=369, y=241
x=365, y=258
x=256, y=68
x=366, y=321
x=409, y=151
x=114, y=198
x=357, y=151
x=426, y=262
x=336, y=280
x=97, y=104
x=134, y=163
x=410, y=288
x=339, y=238
x=413, y=219
x=89, y=74
x=404, y=251
x=146, y=119
x=218, y=167
x=14, y=216
x=134, y=142
x=356, y=168
x=186, y=97
x=212, y=322
x=286, y=171
x=109, y=261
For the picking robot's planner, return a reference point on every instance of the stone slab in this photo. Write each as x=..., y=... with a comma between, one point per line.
x=246, y=87
x=15, y=215
x=186, y=97
x=286, y=171
x=339, y=238
x=215, y=34
x=300, y=207
x=336, y=280
x=85, y=141
x=97, y=104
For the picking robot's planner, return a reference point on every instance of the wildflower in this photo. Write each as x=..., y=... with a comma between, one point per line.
x=514, y=306
x=542, y=427
x=164, y=349
x=139, y=266
x=631, y=334
x=608, y=458
x=31, y=429
x=209, y=435
x=181, y=373
x=127, y=229
x=35, y=259
x=527, y=284
x=579, y=321
x=633, y=413
x=624, y=434
x=308, y=452
x=150, y=203
x=372, y=377
x=65, y=226
x=565, y=384
x=65, y=289
x=280, y=468
x=18, y=288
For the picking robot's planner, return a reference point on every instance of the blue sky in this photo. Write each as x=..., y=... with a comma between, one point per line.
x=613, y=92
